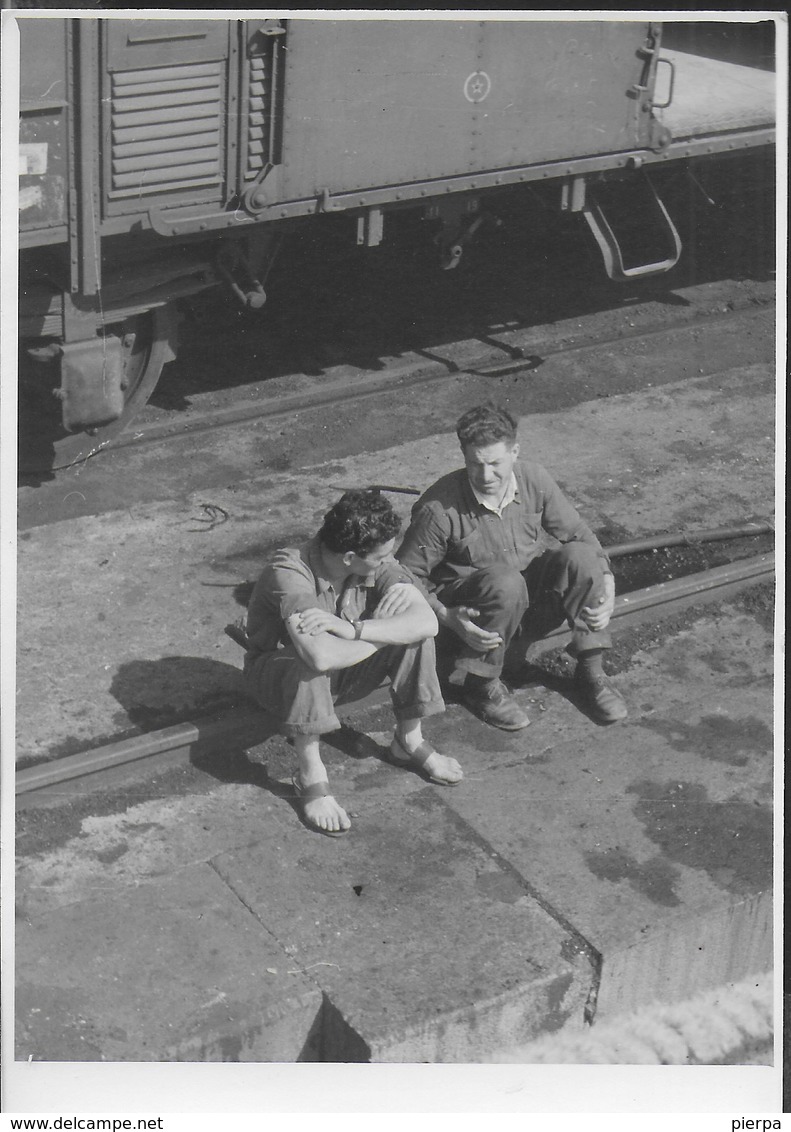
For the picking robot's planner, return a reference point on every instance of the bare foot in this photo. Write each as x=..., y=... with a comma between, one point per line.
x=443, y=768
x=326, y=814
x=440, y=768
x=319, y=808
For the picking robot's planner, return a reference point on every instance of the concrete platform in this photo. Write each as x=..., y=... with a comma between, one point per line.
x=147, y=977
x=578, y=871
x=655, y=839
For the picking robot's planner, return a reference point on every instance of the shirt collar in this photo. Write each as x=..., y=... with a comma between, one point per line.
x=511, y=495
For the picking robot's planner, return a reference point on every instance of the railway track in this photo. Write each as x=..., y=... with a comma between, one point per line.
x=203, y=738
x=292, y=418
x=503, y=359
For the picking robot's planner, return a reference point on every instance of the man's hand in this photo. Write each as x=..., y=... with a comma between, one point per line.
x=397, y=600
x=460, y=620
x=597, y=617
x=314, y=621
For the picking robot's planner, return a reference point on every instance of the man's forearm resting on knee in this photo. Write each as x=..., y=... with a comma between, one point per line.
x=325, y=651
x=327, y=642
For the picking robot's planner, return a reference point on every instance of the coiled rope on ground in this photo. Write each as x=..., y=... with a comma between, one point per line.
x=702, y=1030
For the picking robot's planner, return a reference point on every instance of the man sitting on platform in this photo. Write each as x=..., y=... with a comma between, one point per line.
x=329, y=622
x=476, y=543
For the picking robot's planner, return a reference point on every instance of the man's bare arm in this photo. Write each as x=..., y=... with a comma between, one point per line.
x=414, y=620
x=323, y=649
x=402, y=617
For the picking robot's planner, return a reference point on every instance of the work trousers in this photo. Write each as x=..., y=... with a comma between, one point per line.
x=303, y=700
x=555, y=587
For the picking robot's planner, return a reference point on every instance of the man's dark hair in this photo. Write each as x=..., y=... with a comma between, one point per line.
x=359, y=521
x=485, y=424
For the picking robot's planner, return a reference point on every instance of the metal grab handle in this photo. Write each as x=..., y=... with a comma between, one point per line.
x=668, y=63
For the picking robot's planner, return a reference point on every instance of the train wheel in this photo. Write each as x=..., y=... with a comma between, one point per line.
x=44, y=445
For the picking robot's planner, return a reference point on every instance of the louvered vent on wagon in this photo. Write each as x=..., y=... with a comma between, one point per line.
x=166, y=129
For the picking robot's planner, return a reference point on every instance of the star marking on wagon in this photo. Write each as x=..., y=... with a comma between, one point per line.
x=477, y=86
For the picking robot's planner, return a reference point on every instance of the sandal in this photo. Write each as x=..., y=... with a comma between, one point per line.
x=402, y=757
x=310, y=794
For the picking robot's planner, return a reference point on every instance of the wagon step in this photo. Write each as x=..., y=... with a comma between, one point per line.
x=632, y=227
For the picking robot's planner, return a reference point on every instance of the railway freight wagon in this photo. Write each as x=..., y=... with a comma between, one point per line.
x=162, y=157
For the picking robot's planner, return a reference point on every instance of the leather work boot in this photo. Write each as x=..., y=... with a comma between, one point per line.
x=491, y=701
x=600, y=699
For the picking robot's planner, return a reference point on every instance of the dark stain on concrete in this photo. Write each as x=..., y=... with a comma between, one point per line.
x=423, y=800
x=500, y=886
x=371, y=779
x=654, y=879
x=229, y=1048
x=758, y=602
x=487, y=740
x=715, y=737
x=482, y=738
x=675, y=661
x=108, y=856
x=697, y=452
x=729, y=840
x=279, y=463
x=68, y=745
x=719, y=661
x=557, y=1013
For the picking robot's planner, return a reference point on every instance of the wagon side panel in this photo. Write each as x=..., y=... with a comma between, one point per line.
x=374, y=103
x=559, y=91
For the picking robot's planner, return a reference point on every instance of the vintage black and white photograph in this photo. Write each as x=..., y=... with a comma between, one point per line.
x=394, y=637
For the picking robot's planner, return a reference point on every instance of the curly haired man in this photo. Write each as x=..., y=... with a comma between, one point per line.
x=327, y=623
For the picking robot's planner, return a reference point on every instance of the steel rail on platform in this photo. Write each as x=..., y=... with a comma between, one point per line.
x=247, y=727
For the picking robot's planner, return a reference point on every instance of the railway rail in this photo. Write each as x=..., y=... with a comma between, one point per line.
x=216, y=432
x=508, y=361
x=56, y=780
